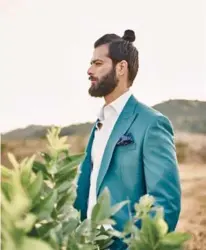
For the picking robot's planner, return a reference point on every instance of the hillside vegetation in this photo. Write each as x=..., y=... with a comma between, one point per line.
x=185, y=115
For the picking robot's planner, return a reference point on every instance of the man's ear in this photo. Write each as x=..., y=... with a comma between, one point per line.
x=121, y=68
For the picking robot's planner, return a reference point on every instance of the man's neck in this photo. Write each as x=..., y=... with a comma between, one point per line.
x=113, y=96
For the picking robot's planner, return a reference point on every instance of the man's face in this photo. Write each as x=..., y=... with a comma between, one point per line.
x=101, y=73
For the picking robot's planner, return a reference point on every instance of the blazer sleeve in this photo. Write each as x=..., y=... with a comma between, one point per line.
x=161, y=169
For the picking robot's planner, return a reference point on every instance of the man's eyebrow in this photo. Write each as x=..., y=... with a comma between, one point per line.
x=96, y=60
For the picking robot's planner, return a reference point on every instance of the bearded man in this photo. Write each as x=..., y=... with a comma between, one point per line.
x=131, y=149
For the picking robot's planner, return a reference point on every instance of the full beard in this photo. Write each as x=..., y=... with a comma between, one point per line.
x=105, y=86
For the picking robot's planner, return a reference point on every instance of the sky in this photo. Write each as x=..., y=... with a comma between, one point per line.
x=46, y=47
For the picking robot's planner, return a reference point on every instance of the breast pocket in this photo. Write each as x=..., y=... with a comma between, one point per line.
x=119, y=154
x=131, y=146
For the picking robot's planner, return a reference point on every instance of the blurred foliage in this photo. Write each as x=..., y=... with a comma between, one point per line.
x=38, y=212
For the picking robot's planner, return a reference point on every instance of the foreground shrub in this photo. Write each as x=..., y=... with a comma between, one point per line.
x=38, y=213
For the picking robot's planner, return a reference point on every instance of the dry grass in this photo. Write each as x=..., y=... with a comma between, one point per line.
x=191, y=150
x=193, y=213
x=25, y=148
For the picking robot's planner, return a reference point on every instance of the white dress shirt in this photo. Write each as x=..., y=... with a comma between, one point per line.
x=108, y=116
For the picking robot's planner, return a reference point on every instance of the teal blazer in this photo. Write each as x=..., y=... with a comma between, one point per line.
x=147, y=166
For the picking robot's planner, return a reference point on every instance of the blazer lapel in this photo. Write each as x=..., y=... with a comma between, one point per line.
x=91, y=139
x=123, y=123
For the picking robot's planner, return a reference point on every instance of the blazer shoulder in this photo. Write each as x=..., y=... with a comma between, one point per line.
x=149, y=115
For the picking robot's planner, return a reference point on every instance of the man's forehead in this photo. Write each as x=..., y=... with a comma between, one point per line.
x=101, y=52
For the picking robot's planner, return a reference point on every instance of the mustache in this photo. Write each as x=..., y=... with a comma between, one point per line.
x=91, y=78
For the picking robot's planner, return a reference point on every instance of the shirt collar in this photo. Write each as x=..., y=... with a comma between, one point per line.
x=115, y=106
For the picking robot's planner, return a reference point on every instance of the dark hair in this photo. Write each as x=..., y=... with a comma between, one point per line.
x=121, y=48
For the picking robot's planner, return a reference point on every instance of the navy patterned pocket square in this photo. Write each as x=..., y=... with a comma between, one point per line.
x=125, y=140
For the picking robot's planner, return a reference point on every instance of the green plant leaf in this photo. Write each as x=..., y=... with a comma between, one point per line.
x=162, y=226
x=162, y=247
x=52, y=167
x=105, y=244
x=129, y=228
x=149, y=231
x=44, y=209
x=54, y=214
x=66, y=199
x=36, y=186
x=107, y=222
x=117, y=207
x=68, y=176
x=70, y=225
x=84, y=228
x=64, y=185
x=44, y=228
x=46, y=157
x=136, y=244
x=33, y=244
x=38, y=166
x=26, y=223
x=101, y=210
x=175, y=239
x=7, y=189
x=115, y=233
x=26, y=170
x=97, y=213
x=67, y=168
x=6, y=172
x=13, y=161
x=19, y=199
x=101, y=237
x=71, y=158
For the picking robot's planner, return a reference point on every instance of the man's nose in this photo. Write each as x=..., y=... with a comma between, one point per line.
x=90, y=71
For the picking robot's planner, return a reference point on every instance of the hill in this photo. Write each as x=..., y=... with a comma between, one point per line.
x=186, y=116
x=38, y=131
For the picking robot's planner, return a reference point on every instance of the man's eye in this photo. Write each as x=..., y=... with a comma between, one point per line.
x=98, y=63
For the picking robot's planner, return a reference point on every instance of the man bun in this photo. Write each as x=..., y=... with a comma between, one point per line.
x=129, y=36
